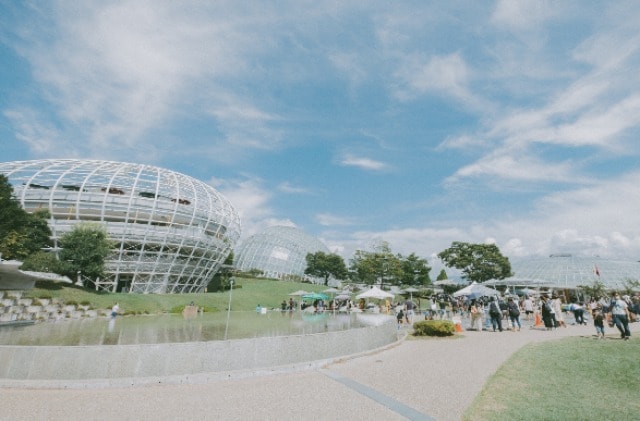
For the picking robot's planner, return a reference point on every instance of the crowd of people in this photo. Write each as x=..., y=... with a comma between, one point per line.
x=550, y=312
x=511, y=312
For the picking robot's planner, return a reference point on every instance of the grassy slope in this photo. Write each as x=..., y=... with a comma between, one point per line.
x=248, y=293
x=576, y=378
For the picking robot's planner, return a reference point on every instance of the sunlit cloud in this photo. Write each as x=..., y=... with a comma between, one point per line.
x=363, y=163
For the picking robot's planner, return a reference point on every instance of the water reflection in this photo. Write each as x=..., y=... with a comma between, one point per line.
x=175, y=328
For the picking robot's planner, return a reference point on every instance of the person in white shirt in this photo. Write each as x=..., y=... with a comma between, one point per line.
x=620, y=313
x=527, y=306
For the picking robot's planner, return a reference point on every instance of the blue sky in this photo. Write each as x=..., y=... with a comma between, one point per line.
x=417, y=123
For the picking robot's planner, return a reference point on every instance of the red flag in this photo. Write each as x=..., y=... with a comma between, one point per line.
x=596, y=270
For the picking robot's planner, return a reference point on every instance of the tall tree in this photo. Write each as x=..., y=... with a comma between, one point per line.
x=382, y=266
x=478, y=262
x=21, y=233
x=323, y=265
x=415, y=270
x=85, y=249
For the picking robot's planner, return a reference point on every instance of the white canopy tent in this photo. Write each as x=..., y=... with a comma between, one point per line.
x=475, y=290
x=375, y=292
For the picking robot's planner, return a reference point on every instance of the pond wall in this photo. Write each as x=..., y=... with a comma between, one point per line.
x=102, y=365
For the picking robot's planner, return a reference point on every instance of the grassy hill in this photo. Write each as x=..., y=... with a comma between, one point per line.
x=247, y=294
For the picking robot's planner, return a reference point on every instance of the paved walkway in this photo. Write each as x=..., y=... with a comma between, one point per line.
x=415, y=379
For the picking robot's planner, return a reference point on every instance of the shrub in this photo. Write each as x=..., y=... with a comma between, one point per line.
x=434, y=328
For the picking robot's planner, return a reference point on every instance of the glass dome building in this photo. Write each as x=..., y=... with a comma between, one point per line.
x=171, y=232
x=278, y=252
x=569, y=271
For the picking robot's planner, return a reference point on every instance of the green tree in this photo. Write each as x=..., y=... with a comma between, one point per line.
x=323, y=265
x=442, y=275
x=415, y=270
x=21, y=233
x=220, y=280
x=44, y=261
x=596, y=290
x=381, y=265
x=85, y=249
x=477, y=262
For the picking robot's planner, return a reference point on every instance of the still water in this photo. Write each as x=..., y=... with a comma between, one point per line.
x=176, y=328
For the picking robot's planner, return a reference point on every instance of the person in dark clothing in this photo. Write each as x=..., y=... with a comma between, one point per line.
x=547, y=313
x=514, y=314
x=496, y=315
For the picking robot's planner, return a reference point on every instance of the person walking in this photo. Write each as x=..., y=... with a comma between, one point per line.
x=620, y=313
x=527, y=306
x=557, y=310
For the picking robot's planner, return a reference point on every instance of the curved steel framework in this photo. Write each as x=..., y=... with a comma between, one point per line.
x=278, y=251
x=172, y=232
x=568, y=271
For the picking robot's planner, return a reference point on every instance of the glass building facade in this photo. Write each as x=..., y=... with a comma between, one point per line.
x=278, y=251
x=569, y=271
x=171, y=232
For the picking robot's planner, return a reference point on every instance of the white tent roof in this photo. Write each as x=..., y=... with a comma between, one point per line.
x=375, y=292
x=476, y=289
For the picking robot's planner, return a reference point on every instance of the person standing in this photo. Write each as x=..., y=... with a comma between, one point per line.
x=496, y=314
x=409, y=313
x=598, y=323
x=476, y=311
x=547, y=313
x=620, y=313
x=527, y=306
x=514, y=314
x=115, y=310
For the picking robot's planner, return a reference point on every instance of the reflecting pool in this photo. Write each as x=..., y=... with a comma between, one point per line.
x=175, y=328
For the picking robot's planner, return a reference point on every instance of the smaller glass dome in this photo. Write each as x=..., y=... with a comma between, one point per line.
x=278, y=252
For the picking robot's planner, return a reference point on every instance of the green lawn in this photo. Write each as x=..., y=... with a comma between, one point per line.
x=247, y=294
x=577, y=378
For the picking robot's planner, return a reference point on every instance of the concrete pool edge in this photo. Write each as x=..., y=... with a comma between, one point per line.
x=193, y=362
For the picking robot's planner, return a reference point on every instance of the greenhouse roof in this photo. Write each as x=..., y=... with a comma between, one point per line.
x=569, y=271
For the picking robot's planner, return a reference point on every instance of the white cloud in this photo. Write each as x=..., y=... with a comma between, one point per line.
x=287, y=187
x=461, y=142
x=252, y=202
x=39, y=135
x=364, y=163
x=513, y=165
x=327, y=219
x=583, y=221
x=117, y=72
x=523, y=14
x=447, y=75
